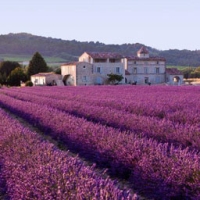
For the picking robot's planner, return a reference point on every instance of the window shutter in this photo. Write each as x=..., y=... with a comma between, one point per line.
x=101, y=70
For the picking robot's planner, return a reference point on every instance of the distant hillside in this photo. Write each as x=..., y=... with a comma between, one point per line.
x=27, y=44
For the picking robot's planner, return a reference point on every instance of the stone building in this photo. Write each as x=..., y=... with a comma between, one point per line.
x=46, y=78
x=143, y=69
x=174, y=76
x=92, y=69
x=77, y=73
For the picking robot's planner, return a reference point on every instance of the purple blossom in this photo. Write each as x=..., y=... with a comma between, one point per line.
x=148, y=135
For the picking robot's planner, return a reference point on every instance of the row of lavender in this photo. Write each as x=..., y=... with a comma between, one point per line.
x=161, y=168
x=132, y=99
x=179, y=105
x=163, y=130
x=32, y=168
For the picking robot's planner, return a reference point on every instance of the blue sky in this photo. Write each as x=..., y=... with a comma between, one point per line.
x=161, y=24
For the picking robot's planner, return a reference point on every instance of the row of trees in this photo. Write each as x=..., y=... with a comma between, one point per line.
x=191, y=72
x=11, y=73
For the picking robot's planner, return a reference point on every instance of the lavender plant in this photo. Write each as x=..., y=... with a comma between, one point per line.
x=168, y=170
x=32, y=168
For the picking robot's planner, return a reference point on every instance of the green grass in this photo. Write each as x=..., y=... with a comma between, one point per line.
x=21, y=58
x=178, y=67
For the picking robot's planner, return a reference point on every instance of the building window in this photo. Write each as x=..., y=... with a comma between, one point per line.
x=145, y=70
x=157, y=70
x=98, y=69
x=157, y=62
x=84, y=78
x=117, y=70
x=99, y=81
x=112, y=60
x=146, y=80
x=83, y=67
x=99, y=60
x=158, y=79
x=135, y=70
x=135, y=62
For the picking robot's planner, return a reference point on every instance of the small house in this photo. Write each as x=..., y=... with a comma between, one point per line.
x=46, y=78
x=174, y=76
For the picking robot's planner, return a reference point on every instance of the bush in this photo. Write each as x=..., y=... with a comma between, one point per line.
x=29, y=83
x=114, y=78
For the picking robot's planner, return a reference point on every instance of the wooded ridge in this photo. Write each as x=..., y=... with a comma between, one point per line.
x=69, y=50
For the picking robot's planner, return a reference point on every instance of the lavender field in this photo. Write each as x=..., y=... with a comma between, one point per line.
x=100, y=142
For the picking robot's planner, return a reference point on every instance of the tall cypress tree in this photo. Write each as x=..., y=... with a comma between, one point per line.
x=37, y=65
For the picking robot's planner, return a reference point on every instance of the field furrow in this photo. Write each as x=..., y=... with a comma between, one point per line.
x=161, y=169
x=162, y=130
x=32, y=168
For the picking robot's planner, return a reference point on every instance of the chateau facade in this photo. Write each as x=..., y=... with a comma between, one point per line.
x=92, y=69
x=143, y=69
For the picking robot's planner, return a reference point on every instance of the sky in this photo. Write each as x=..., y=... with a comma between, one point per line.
x=161, y=24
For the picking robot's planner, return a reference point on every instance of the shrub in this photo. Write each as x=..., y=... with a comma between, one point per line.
x=29, y=83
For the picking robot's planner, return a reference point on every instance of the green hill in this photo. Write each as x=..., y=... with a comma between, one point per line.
x=22, y=46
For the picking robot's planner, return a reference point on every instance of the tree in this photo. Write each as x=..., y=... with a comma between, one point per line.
x=58, y=71
x=16, y=76
x=37, y=65
x=114, y=78
x=29, y=83
x=187, y=72
x=3, y=78
x=6, y=67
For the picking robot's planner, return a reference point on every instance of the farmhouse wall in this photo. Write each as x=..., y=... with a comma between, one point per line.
x=86, y=58
x=69, y=69
x=93, y=68
x=152, y=71
x=84, y=75
x=108, y=68
x=53, y=77
x=38, y=80
x=45, y=79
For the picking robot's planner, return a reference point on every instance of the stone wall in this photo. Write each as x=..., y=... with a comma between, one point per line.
x=151, y=71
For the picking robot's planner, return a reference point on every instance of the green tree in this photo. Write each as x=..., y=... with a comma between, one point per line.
x=37, y=65
x=58, y=71
x=6, y=67
x=16, y=76
x=3, y=78
x=187, y=72
x=195, y=73
x=114, y=78
x=29, y=83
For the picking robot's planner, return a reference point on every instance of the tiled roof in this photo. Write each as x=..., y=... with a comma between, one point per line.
x=173, y=71
x=135, y=58
x=44, y=74
x=143, y=50
x=71, y=63
x=104, y=55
